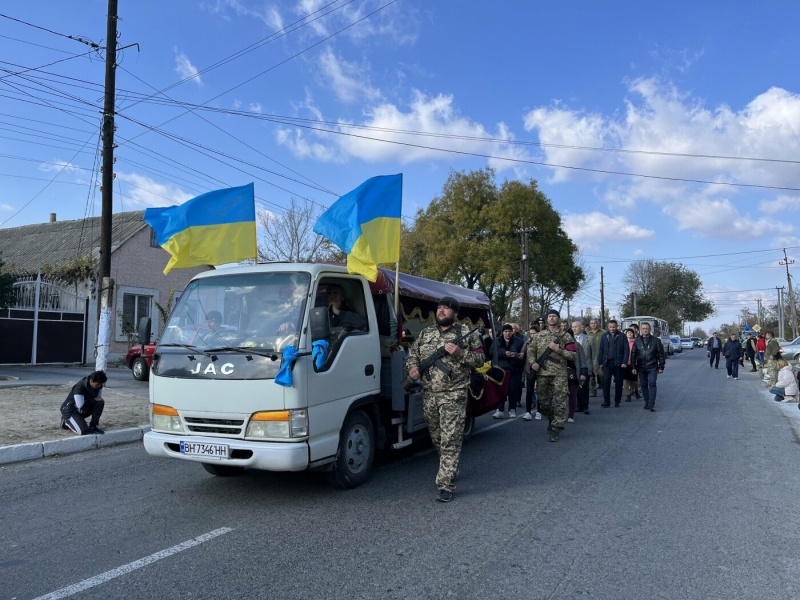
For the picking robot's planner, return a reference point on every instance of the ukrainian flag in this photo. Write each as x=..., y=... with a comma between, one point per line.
x=365, y=223
x=216, y=228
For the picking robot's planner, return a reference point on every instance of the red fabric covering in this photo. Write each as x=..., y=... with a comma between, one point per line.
x=493, y=395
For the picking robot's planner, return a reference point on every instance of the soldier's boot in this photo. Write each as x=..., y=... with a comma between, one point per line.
x=628, y=398
x=554, y=434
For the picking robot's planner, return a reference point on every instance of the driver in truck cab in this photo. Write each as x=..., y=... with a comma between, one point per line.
x=341, y=312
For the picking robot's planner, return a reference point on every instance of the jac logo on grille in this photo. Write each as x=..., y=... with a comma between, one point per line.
x=225, y=369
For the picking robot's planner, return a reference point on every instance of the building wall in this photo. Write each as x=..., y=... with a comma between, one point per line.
x=138, y=268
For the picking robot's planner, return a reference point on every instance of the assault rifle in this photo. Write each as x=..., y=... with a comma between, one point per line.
x=435, y=360
x=545, y=357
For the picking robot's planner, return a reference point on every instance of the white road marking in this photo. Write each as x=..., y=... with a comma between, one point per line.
x=500, y=424
x=137, y=564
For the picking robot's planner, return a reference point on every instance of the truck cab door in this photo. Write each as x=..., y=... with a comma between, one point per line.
x=352, y=368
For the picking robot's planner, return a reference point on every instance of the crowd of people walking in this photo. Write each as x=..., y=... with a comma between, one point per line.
x=565, y=364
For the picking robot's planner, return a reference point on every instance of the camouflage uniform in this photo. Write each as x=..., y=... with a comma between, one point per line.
x=773, y=347
x=596, y=336
x=551, y=381
x=445, y=398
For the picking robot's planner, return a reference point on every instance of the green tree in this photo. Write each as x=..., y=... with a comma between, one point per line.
x=468, y=236
x=6, y=287
x=290, y=236
x=699, y=332
x=666, y=290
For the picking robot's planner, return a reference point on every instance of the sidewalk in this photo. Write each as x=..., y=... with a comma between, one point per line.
x=30, y=397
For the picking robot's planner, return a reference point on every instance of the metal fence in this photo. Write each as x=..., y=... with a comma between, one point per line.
x=53, y=295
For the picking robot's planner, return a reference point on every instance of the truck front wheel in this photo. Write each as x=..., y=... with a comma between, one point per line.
x=469, y=428
x=356, y=452
x=223, y=470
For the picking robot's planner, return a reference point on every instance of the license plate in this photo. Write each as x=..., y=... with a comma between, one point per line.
x=206, y=450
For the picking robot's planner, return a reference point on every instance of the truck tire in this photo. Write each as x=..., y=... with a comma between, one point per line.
x=223, y=470
x=356, y=452
x=141, y=372
x=469, y=428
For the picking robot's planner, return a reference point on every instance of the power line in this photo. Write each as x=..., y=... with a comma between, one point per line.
x=5, y=222
x=79, y=38
x=8, y=37
x=29, y=69
x=275, y=66
x=263, y=42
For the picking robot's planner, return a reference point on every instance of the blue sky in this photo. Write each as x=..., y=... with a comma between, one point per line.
x=713, y=78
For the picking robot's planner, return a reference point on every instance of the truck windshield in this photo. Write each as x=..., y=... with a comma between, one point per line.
x=254, y=310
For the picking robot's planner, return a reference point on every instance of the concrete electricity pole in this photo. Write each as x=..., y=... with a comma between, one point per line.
x=524, y=273
x=781, y=328
x=106, y=283
x=786, y=261
x=602, y=302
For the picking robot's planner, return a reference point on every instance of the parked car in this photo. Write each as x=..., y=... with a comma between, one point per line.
x=697, y=342
x=791, y=350
x=687, y=343
x=675, y=341
x=139, y=363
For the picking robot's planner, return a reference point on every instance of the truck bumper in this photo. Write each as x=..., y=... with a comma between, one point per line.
x=267, y=456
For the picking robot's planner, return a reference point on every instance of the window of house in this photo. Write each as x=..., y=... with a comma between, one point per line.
x=134, y=308
x=153, y=239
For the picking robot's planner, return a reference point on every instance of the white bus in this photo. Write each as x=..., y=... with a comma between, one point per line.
x=658, y=328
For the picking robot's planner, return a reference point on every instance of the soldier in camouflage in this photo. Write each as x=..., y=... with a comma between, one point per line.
x=596, y=334
x=444, y=397
x=551, y=378
x=773, y=350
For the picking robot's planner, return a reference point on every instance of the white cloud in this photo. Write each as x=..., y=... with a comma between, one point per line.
x=398, y=24
x=56, y=165
x=660, y=118
x=185, y=68
x=266, y=13
x=638, y=252
x=589, y=230
x=256, y=107
x=147, y=192
x=432, y=114
x=6, y=207
x=718, y=217
x=780, y=204
x=347, y=80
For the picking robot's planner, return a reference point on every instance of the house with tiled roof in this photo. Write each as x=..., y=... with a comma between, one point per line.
x=137, y=265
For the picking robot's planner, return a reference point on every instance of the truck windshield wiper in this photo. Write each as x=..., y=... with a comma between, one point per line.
x=265, y=353
x=187, y=346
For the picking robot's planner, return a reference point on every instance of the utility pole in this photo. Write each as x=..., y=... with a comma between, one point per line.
x=567, y=309
x=635, y=309
x=758, y=314
x=602, y=302
x=786, y=261
x=781, y=328
x=524, y=273
x=106, y=283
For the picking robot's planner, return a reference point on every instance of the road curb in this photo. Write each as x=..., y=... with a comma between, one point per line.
x=34, y=450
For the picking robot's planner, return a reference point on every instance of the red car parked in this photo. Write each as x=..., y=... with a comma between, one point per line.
x=139, y=362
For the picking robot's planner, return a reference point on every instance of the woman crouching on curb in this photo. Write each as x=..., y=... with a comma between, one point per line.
x=785, y=389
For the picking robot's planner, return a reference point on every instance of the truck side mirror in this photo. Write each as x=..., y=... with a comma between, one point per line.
x=320, y=324
x=143, y=332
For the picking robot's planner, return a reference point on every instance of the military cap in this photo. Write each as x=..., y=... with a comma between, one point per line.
x=449, y=302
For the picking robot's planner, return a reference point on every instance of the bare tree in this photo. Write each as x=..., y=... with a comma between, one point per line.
x=290, y=237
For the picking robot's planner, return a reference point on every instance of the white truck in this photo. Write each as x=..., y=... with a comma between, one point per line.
x=214, y=398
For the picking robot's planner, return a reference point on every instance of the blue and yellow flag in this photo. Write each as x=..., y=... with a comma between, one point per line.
x=365, y=223
x=215, y=228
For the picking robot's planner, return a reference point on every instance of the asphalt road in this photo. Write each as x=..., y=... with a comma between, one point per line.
x=118, y=378
x=694, y=501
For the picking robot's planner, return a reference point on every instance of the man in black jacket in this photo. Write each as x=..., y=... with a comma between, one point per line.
x=511, y=359
x=648, y=360
x=85, y=399
x=714, y=348
x=610, y=359
x=732, y=351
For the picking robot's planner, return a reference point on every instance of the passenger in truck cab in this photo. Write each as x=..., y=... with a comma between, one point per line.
x=341, y=311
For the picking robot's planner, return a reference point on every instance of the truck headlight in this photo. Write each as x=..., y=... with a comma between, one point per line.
x=165, y=418
x=278, y=424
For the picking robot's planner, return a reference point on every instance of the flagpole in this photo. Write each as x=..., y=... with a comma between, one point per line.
x=397, y=294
